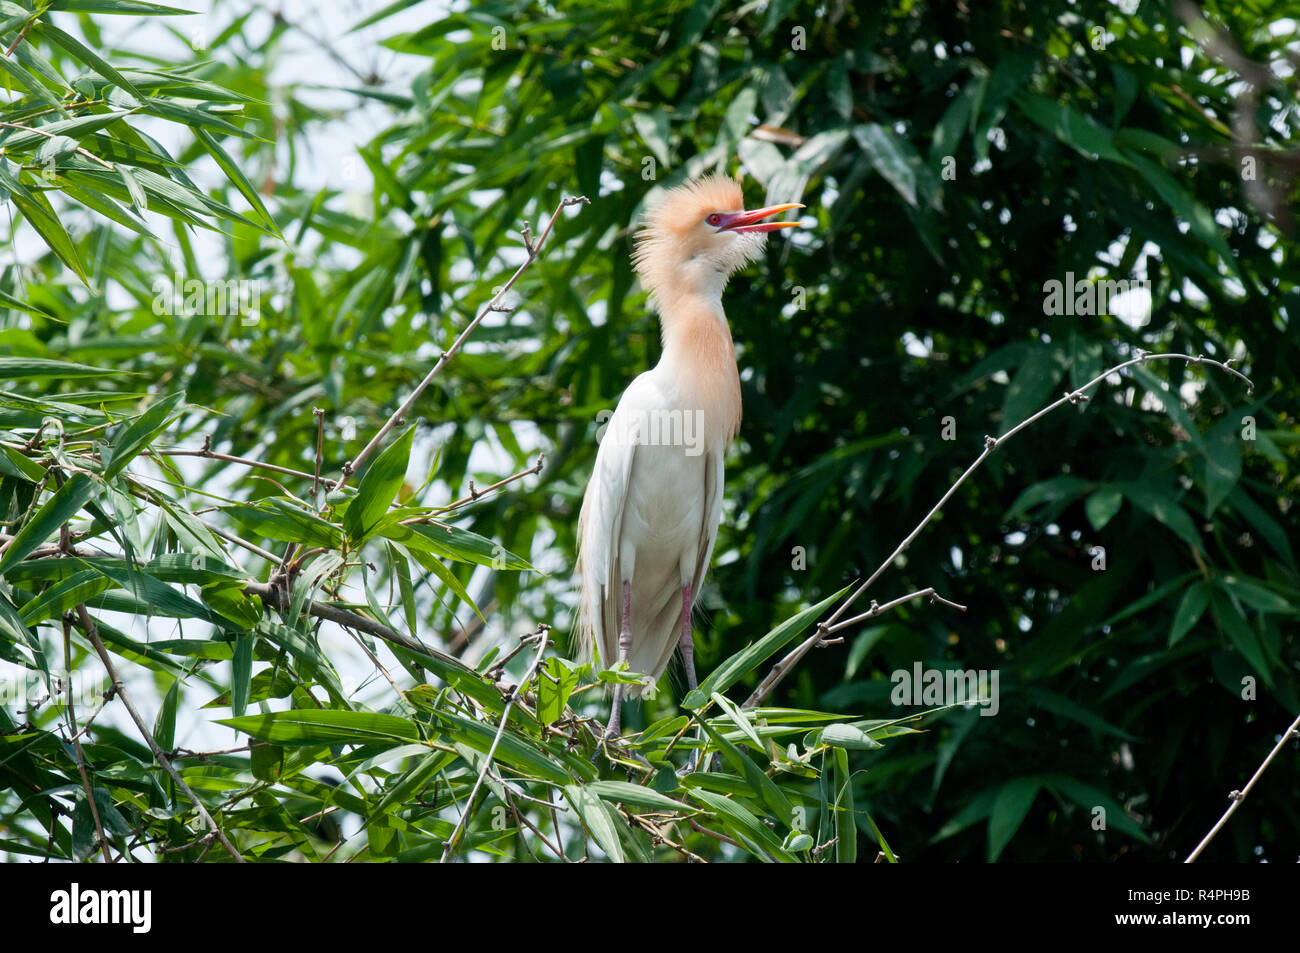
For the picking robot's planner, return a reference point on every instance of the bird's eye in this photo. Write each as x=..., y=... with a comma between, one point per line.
x=714, y=219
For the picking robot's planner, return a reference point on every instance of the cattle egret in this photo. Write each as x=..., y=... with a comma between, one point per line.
x=651, y=511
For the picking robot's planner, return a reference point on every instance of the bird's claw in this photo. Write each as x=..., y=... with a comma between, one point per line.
x=693, y=764
x=608, y=736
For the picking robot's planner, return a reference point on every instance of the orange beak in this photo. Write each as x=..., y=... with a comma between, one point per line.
x=753, y=221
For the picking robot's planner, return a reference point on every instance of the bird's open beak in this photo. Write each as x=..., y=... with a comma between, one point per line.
x=753, y=221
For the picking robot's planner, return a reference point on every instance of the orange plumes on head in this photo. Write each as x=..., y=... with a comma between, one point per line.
x=677, y=250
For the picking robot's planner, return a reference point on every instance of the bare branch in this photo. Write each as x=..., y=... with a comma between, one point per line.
x=1238, y=796
x=476, y=494
x=534, y=251
x=449, y=846
x=876, y=610
x=92, y=633
x=276, y=597
x=207, y=454
x=76, y=743
x=1075, y=397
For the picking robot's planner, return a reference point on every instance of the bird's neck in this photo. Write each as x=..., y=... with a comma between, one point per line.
x=699, y=353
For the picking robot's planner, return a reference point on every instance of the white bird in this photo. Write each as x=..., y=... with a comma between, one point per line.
x=651, y=511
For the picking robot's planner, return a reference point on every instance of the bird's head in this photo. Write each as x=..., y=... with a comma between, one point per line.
x=698, y=236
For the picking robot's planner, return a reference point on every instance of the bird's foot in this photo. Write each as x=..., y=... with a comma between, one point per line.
x=693, y=764
x=608, y=737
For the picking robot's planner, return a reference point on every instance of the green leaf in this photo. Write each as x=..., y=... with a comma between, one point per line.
x=450, y=542
x=749, y=829
x=412, y=782
x=890, y=156
x=600, y=820
x=1231, y=620
x=229, y=600
x=1184, y=205
x=85, y=54
x=164, y=726
x=275, y=519
x=797, y=841
x=140, y=433
x=132, y=7
x=1056, y=490
x=1158, y=594
x=513, y=750
x=241, y=674
x=1222, y=460
x=846, y=827
x=78, y=128
x=66, y=501
x=848, y=736
x=1074, y=129
x=1190, y=609
x=754, y=775
x=1039, y=373
x=83, y=828
x=1010, y=807
x=1155, y=501
x=1102, y=506
x=636, y=795
x=738, y=719
x=266, y=762
x=42, y=217
x=652, y=127
x=554, y=686
x=1091, y=798
x=53, y=148
x=753, y=655
x=448, y=577
x=236, y=175
x=324, y=727
x=1256, y=595
x=379, y=487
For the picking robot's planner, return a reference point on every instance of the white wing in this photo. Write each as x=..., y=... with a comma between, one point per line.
x=712, y=517
x=600, y=527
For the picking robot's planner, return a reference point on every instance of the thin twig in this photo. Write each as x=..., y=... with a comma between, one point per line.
x=81, y=150
x=876, y=610
x=1238, y=796
x=277, y=598
x=700, y=828
x=534, y=250
x=782, y=668
x=319, y=413
x=21, y=33
x=522, y=818
x=244, y=461
x=76, y=743
x=232, y=538
x=92, y=633
x=451, y=843
x=476, y=494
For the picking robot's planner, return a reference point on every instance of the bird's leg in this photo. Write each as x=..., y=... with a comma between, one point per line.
x=687, y=643
x=624, y=650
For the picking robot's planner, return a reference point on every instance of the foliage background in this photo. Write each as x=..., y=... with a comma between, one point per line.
x=1086, y=138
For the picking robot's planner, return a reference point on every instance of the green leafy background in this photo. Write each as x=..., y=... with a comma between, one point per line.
x=953, y=157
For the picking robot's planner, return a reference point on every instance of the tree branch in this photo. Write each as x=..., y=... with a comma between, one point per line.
x=450, y=845
x=1238, y=796
x=534, y=250
x=782, y=668
x=92, y=633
